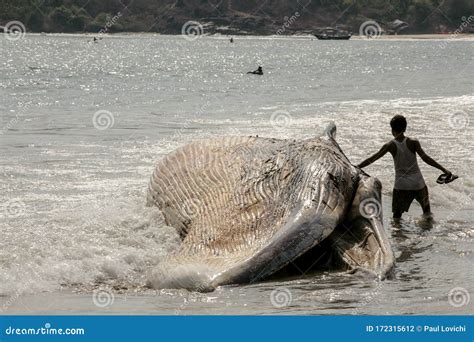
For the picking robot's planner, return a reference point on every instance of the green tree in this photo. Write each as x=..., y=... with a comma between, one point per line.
x=419, y=12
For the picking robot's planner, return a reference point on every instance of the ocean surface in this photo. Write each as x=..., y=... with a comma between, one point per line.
x=83, y=124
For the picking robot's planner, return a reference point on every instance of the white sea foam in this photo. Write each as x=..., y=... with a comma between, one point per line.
x=113, y=241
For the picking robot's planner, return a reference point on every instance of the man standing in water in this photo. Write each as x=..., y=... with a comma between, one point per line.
x=409, y=182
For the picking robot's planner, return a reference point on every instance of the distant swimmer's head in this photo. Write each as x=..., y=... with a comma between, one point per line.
x=398, y=124
x=259, y=71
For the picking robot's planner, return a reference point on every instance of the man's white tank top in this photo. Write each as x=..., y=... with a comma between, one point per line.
x=407, y=173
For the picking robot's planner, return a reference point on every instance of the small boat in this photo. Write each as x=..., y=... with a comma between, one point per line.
x=331, y=33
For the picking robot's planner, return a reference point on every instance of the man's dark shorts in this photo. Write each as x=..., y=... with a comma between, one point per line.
x=402, y=199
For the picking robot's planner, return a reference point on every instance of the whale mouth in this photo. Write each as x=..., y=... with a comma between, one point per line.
x=363, y=245
x=354, y=246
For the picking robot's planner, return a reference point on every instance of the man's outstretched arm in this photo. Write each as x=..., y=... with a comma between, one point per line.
x=376, y=156
x=427, y=159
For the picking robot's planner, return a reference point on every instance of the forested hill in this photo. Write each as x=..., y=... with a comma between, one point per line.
x=232, y=17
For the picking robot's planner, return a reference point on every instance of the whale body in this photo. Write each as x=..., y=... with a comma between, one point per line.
x=247, y=208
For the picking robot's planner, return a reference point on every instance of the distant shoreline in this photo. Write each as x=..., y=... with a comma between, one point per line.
x=429, y=36
x=463, y=36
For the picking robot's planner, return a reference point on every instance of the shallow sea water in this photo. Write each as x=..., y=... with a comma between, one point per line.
x=82, y=126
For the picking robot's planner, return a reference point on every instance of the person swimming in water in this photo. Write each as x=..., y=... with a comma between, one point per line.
x=409, y=182
x=259, y=71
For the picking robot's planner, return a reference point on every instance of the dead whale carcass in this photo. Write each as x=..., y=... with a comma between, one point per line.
x=246, y=207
